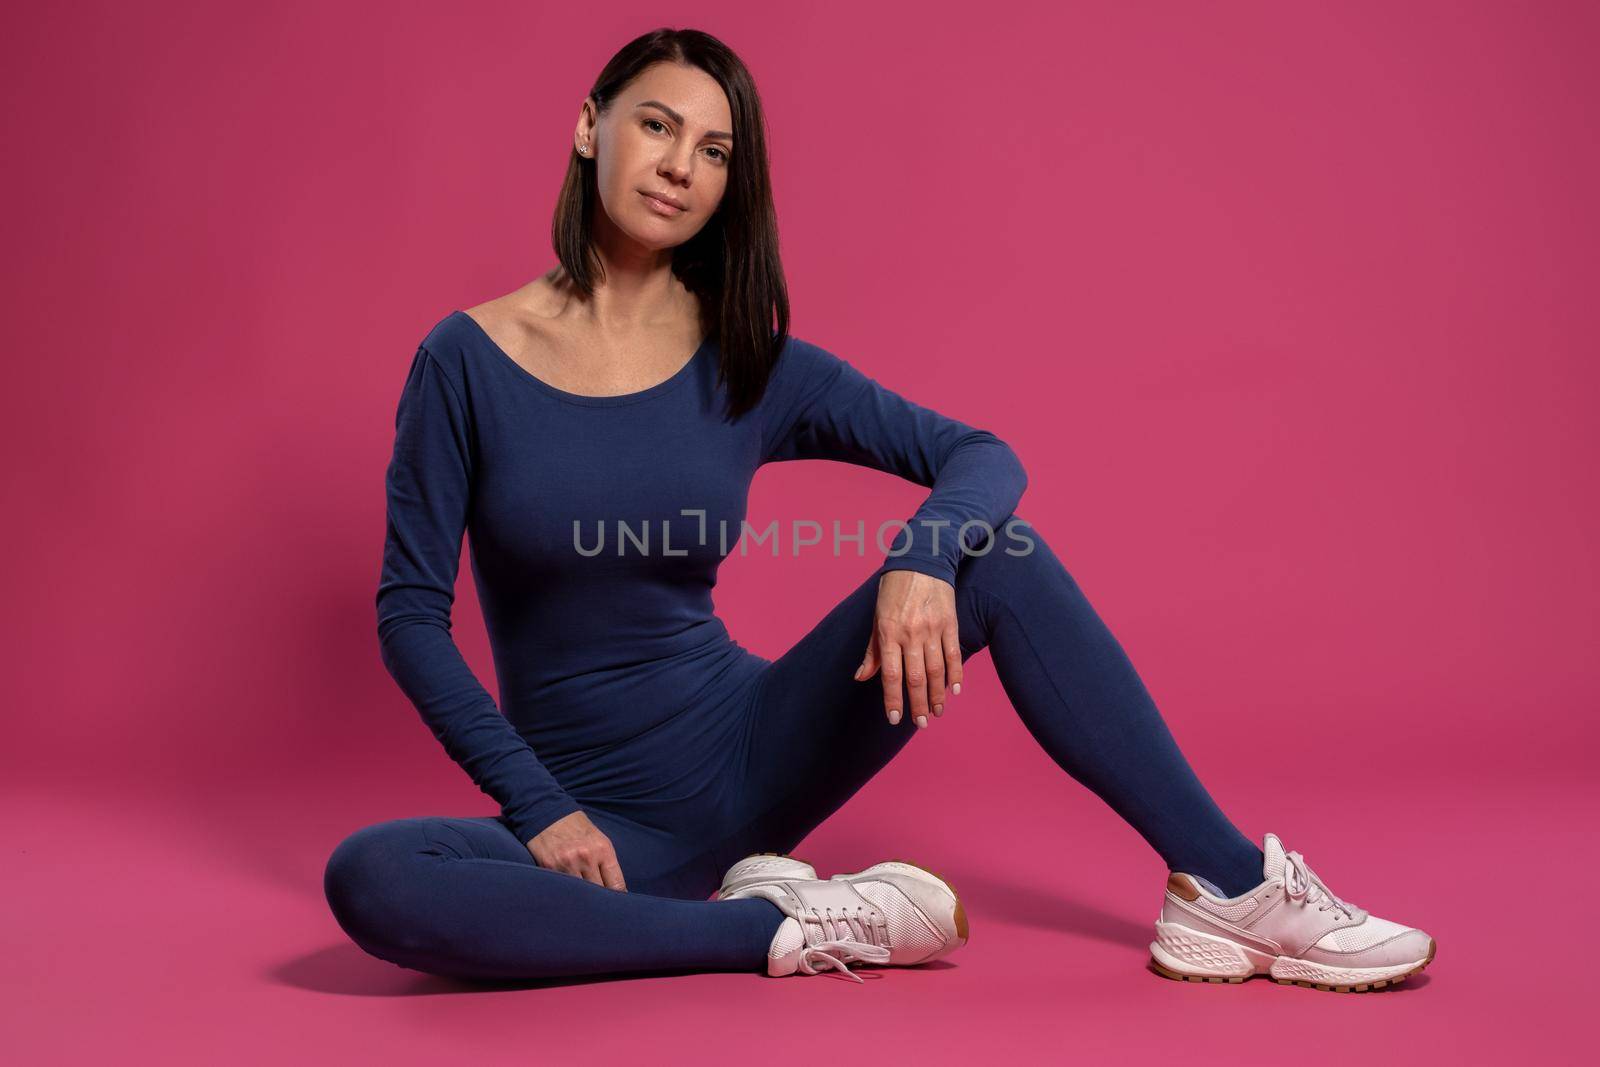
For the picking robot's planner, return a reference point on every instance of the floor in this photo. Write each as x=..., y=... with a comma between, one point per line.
x=192, y=929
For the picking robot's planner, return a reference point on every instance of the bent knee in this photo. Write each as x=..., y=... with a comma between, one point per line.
x=1010, y=562
x=365, y=882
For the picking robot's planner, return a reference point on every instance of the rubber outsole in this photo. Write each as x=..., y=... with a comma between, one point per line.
x=1356, y=987
x=780, y=855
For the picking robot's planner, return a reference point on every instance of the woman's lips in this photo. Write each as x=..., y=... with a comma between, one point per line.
x=661, y=207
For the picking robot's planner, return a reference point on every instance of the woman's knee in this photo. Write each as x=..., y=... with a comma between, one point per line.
x=1009, y=563
x=365, y=880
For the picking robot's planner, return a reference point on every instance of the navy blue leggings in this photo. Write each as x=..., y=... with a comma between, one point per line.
x=757, y=772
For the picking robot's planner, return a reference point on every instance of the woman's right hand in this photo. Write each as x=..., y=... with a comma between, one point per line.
x=574, y=845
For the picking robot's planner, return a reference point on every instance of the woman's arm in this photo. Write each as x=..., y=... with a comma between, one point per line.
x=824, y=408
x=428, y=484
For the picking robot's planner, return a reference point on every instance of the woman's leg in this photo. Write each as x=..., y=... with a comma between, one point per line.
x=463, y=897
x=817, y=735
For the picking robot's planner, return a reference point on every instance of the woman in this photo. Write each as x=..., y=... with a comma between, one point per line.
x=642, y=751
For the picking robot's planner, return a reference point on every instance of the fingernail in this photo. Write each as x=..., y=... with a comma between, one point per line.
x=922, y=722
x=894, y=716
x=938, y=709
x=956, y=689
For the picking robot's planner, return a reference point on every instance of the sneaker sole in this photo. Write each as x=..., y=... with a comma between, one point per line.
x=918, y=871
x=779, y=855
x=1353, y=981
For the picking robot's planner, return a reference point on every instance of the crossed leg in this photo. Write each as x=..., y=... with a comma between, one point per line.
x=463, y=897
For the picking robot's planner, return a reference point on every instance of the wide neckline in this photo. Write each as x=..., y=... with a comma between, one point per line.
x=678, y=377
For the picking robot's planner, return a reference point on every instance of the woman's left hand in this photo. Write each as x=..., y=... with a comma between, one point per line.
x=915, y=643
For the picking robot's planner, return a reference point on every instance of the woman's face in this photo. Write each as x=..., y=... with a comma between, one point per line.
x=667, y=134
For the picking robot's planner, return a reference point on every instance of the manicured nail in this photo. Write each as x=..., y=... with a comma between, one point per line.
x=938, y=709
x=894, y=716
x=922, y=722
x=956, y=689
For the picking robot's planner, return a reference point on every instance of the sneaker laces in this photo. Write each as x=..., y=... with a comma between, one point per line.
x=855, y=934
x=1302, y=884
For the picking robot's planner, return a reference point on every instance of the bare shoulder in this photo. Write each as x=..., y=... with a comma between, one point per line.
x=520, y=319
x=536, y=300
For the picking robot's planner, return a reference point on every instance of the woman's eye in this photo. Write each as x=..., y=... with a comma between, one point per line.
x=652, y=124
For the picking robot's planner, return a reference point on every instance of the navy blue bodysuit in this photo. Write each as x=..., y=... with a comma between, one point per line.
x=592, y=650
x=624, y=695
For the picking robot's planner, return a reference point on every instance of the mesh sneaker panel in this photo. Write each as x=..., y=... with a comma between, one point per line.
x=1272, y=858
x=1233, y=912
x=907, y=927
x=788, y=938
x=1362, y=936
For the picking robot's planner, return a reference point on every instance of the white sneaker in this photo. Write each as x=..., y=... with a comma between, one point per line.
x=891, y=914
x=938, y=901
x=763, y=867
x=1291, y=927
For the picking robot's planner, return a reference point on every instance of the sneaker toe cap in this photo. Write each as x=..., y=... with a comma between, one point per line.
x=927, y=921
x=1386, y=945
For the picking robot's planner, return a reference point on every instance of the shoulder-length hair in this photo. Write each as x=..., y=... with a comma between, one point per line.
x=732, y=264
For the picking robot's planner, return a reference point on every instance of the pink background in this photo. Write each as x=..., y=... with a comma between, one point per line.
x=1287, y=308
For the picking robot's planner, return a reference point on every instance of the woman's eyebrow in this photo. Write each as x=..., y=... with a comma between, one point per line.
x=675, y=117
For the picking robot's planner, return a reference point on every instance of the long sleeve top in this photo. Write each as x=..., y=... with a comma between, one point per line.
x=597, y=528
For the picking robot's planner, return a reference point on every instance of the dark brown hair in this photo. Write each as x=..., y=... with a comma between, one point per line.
x=732, y=264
